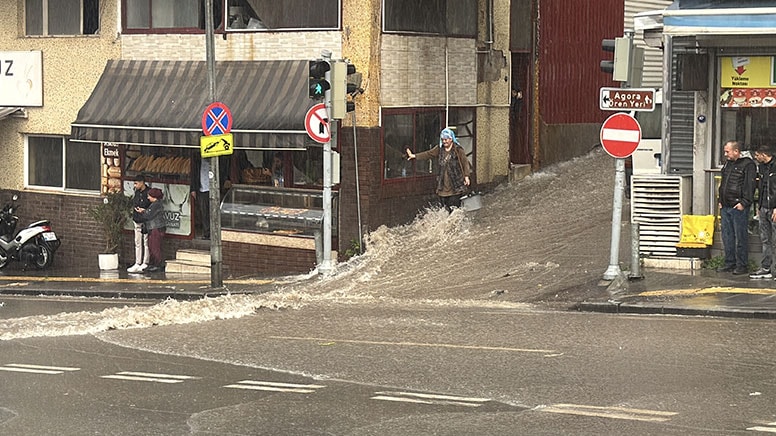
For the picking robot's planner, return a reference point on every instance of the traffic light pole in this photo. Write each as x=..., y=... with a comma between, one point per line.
x=326, y=266
x=216, y=279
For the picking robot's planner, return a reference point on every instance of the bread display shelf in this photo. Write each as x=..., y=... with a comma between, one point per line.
x=161, y=165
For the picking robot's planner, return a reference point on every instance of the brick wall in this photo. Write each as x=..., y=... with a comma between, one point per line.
x=249, y=259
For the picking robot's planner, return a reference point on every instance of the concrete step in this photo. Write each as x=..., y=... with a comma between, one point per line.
x=200, y=257
x=178, y=266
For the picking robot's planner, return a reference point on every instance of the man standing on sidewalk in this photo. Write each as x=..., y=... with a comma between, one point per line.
x=736, y=194
x=766, y=174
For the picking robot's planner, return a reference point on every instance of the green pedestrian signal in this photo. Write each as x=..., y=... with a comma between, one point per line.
x=318, y=85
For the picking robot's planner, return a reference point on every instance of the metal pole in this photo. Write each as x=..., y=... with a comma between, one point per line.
x=619, y=182
x=325, y=267
x=216, y=279
x=358, y=189
x=635, y=258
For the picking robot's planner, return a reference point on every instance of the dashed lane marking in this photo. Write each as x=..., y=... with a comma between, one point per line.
x=609, y=412
x=149, y=377
x=36, y=369
x=771, y=428
x=329, y=341
x=420, y=398
x=711, y=290
x=256, y=385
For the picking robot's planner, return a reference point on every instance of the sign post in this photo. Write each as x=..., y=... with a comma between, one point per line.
x=620, y=135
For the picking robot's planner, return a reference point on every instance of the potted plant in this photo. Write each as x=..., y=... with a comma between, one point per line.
x=112, y=214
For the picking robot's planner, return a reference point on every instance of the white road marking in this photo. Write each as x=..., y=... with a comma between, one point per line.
x=420, y=398
x=764, y=429
x=150, y=377
x=36, y=369
x=274, y=386
x=330, y=341
x=609, y=412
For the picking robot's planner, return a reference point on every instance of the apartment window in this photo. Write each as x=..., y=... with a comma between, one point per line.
x=418, y=130
x=282, y=15
x=54, y=162
x=61, y=17
x=439, y=17
x=155, y=15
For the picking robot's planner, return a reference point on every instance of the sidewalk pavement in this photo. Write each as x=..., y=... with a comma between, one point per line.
x=685, y=292
x=660, y=291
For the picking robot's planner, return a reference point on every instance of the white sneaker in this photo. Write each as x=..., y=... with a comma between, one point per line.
x=134, y=268
x=141, y=268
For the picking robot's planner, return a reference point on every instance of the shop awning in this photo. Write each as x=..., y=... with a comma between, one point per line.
x=162, y=103
x=10, y=111
x=720, y=17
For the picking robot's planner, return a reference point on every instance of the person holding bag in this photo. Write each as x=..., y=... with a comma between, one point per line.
x=453, y=178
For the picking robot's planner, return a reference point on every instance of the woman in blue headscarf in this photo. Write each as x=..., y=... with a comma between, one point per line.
x=454, y=171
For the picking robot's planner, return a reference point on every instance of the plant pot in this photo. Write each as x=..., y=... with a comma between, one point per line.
x=109, y=261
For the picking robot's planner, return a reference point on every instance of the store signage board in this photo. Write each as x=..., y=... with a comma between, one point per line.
x=620, y=135
x=216, y=145
x=316, y=123
x=627, y=99
x=217, y=119
x=21, y=78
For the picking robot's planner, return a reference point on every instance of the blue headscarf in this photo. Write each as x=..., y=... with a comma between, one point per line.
x=447, y=133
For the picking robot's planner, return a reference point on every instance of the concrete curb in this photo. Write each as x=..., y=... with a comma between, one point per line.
x=661, y=309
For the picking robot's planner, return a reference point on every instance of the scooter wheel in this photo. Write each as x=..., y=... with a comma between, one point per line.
x=3, y=258
x=44, y=258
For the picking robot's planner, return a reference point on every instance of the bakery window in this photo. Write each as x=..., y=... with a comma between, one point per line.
x=277, y=211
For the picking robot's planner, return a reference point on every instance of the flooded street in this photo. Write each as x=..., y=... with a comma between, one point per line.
x=543, y=239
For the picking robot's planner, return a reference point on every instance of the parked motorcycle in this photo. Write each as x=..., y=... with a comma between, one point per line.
x=34, y=244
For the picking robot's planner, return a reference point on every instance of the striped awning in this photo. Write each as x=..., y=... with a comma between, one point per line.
x=162, y=103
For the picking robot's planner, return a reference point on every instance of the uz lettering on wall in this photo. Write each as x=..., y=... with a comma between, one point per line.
x=7, y=70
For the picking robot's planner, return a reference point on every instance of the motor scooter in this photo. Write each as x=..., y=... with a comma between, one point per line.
x=33, y=245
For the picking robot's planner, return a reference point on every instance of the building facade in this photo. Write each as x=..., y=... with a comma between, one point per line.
x=122, y=91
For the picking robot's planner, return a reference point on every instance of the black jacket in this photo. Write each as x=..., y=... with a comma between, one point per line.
x=154, y=216
x=737, y=185
x=766, y=173
x=140, y=199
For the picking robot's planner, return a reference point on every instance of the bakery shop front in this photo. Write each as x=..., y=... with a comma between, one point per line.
x=147, y=117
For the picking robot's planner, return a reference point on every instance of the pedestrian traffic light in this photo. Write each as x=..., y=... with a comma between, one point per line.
x=318, y=85
x=341, y=87
x=620, y=65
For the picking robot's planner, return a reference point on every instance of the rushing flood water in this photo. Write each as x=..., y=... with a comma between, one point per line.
x=531, y=240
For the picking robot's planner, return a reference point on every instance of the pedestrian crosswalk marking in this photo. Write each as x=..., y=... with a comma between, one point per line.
x=420, y=398
x=613, y=412
x=150, y=377
x=275, y=386
x=36, y=369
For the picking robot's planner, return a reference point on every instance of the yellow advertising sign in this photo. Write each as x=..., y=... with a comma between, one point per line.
x=216, y=145
x=748, y=72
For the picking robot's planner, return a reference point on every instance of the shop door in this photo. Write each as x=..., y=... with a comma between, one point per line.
x=519, y=119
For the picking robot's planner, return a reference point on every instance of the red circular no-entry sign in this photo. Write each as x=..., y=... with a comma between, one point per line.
x=620, y=135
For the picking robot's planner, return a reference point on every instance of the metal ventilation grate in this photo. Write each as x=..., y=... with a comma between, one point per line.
x=657, y=204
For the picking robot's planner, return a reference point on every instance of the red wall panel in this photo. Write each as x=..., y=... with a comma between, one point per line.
x=570, y=34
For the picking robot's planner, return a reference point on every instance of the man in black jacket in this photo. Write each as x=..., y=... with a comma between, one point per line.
x=140, y=200
x=766, y=174
x=736, y=194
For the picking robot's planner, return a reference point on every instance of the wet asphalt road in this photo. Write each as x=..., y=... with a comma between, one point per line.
x=394, y=369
